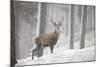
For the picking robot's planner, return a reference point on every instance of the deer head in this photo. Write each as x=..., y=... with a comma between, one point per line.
x=57, y=25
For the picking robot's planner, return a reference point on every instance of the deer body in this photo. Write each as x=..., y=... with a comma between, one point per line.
x=47, y=40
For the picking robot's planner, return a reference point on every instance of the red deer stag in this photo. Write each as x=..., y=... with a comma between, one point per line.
x=47, y=40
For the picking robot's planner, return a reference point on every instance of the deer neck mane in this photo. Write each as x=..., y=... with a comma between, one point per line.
x=56, y=32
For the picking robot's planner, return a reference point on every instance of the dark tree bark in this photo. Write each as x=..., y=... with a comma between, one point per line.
x=83, y=27
x=12, y=48
x=79, y=12
x=71, y=26
x=94, y=20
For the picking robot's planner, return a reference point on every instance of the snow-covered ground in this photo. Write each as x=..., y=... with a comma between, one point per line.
x=77, y=55
x=62, y=53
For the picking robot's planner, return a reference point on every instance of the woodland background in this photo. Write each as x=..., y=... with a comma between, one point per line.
x=27, y=24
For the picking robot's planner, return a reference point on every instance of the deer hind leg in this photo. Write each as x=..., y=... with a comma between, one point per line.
x=32, y=54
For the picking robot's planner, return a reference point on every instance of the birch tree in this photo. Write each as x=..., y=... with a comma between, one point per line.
x=71, y=26
x=38, y=19
x=83, y=26
x=41, y=22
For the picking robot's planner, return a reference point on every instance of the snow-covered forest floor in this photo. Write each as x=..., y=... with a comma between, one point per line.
x=62, y=53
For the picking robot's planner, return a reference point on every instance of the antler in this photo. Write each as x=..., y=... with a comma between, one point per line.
x=52, y=21
x=61, y=20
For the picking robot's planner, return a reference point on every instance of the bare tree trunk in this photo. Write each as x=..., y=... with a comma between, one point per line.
x=41, y=22
x=94, y=21
x=38, y=19
x=80, y=13
x=38, y=24
x=83, y=27
x=12, y=49
x=43, y=18
x=71, y=26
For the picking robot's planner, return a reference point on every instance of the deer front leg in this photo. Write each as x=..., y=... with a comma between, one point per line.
x=41, y=50
x=37, y=50
x=51, y=47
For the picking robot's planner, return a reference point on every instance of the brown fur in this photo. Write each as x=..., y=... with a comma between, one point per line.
x=48, y=40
